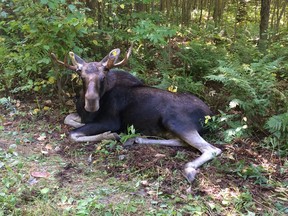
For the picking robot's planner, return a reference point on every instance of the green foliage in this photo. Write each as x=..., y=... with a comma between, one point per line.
x=6, y=102
x=253, y=87
x=199, y=58
x=131, y=133
x=107, y=146
x=174, y=45
x=277, y=125
x=10, y=179
x=31, y=32
x=155, y=34
x=228, y=126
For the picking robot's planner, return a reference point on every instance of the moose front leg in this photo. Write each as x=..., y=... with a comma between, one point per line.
x=80, y=137
x=95, y=132
x=73, y=120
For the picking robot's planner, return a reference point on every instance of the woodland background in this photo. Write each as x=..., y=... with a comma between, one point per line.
x=233, y=54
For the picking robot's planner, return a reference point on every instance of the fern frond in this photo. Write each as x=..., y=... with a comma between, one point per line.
x=277, y=123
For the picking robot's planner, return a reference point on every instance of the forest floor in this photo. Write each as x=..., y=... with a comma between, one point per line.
x=43, y=173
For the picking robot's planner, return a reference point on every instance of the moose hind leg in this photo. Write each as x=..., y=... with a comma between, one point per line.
x=207, y=150
x=169, y=142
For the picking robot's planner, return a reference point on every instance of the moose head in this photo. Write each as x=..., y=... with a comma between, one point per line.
x=93, y=75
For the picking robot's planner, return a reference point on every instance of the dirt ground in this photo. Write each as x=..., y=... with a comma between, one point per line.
x=244, y=166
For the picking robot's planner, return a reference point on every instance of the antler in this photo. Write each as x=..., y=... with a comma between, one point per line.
x=113, y=56
x=71, y=67
x=124, y=61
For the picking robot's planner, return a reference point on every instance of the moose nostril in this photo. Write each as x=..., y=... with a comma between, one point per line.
x=91, y=97
x=91, y=104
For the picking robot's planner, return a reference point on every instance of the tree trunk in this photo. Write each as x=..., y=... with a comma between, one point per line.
x=218, y=11
x=264, y=22
x=201, y=12
x=280, y=15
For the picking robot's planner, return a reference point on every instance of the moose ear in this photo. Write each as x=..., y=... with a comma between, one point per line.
x=76, y=61
x=110, y=60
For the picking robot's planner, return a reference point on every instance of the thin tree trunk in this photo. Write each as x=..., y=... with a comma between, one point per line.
x=201, y=12
x=99, y=12
x=281, y=15
x=236, y=22
x=264, y=22
x=218, y=11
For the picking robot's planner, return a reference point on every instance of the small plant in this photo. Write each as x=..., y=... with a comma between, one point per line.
x=244, y=202
x=131, y=133
x=278, y=140
x=7, y=103
x=256, y=173
x=229, y=126
x=10, y=165
x=107, y=146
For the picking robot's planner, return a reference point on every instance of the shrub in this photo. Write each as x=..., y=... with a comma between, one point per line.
x=31, y=30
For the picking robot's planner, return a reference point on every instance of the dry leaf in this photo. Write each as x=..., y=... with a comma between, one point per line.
x=7, y=123
x=152, y=193
x=160, y=155
x=40, y=174
x=44, y=152
x=49, y=147
x=18, y=103
x=145, y=183
x=69, y=103
x=41, y=137
x=48, y=102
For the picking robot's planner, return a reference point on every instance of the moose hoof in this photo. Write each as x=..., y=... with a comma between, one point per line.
x=190, y=174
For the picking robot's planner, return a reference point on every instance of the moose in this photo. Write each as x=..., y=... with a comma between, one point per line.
x=112, y=100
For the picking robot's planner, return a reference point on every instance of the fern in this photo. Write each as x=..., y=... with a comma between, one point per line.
x=254, y=85
x=277, y=125
x=7, y=104
x=254, y=89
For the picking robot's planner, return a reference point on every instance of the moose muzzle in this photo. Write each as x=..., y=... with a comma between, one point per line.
x=91, y=98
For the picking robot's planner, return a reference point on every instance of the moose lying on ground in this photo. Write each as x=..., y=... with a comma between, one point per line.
x=112, y=100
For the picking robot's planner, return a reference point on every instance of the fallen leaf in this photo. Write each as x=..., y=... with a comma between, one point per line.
x=18, y=103
x=160, y=155
x=49, y=147
x=40, y=174
x=48, y=102
x=69, y=103
x=152, y=193
x=57, y=149
x=7, y=123
x=44, y=152
x=46, y=108
x=32, y=180
x=189, y=190
x=36, y=111
x=145, y=183
x=41, y=137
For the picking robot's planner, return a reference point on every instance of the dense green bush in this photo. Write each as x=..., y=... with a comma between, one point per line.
x=30, y=32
